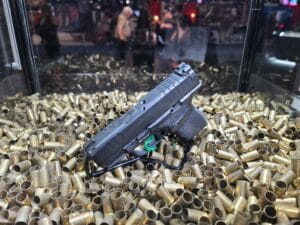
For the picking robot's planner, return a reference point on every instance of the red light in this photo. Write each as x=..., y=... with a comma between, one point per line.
x=281, y=26
x=193, y=15
x=156, y=18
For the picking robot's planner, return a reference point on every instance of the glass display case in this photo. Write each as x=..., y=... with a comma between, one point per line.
x=275, y=68
x=79, y=49
x=85, y=146
x=75, y=46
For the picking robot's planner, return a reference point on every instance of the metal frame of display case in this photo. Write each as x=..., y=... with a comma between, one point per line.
x=23, y=39
x=16, y=64
x=250, y=44
x=12, y=79
x=250, y=75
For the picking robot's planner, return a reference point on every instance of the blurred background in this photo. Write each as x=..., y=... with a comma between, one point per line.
x=95, y=36
x=94, y=45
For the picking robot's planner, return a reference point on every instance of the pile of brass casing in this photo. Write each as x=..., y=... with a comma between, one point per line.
x=243, y=169
x=96, y=72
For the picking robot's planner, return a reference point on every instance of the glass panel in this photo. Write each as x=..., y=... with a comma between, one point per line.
x=276, y=67
x=92, y=45
x=6, y=56
x=11, y=78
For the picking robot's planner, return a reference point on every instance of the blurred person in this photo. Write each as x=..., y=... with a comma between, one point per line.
x=123, y=31
x=45, y=24
x=166, y=26
x=180, y=39
x=141, y=16
x=85, y=16
x=175, y=48
x=143, y=21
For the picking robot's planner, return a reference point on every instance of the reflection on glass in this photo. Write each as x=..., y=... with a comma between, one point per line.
x=43, y=23
x=277, y=58
x=6, y=56
x=92, y=45
x=12, y=80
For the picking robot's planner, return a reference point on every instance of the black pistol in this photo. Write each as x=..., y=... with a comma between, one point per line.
x=166, y=109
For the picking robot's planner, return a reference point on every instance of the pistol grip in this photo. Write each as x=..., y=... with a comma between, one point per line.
x=193, y=124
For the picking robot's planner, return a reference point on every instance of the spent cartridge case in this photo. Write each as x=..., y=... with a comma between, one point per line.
x=151, y=186
x=239, y=204
x=171, y=187
x=176, y=222
x=267, y=197
x=144, y=205
x=177, y=210
x=218, y=204
x=113, y=181
x=250, y=156
x=135, y=189
x=96, y=203
x=280, y=159
x=69, y=166
x=82, y=218
x=78, y=183
x=163, y=193
x=168, y=176
x=227, y=203
x=107, y=205
x=23, y=215
x=287, y=177
x=230, y=168
x=65, y=216
x=42, y=199
x=120, y=173
x=22, y=166
x=99, y=217
x=295, y=161
x=52, y=145
x=120, y=217
x=4, y=166
x=185, y=199
x=208, y=205
x=193, y=215
x=149, y=217
x=23, y=199
x=108, y=220
x=138, y=179
x=279, y=188
x=282, y=218
x=45, y=221
x=73, y=149
x=235, y=176
x=55, y=216
x=135, y=217
x=225, y=155
x=290, y=212
x=248, y=146
x=160, y=204
x=265, y=176
x=288, y=202
x=165, y=214
x=242, y=188
x=188, y=181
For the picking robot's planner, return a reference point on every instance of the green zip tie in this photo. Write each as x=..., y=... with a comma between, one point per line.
x=147, y=143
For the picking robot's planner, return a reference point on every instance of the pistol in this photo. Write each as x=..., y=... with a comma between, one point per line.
x=166, y=109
